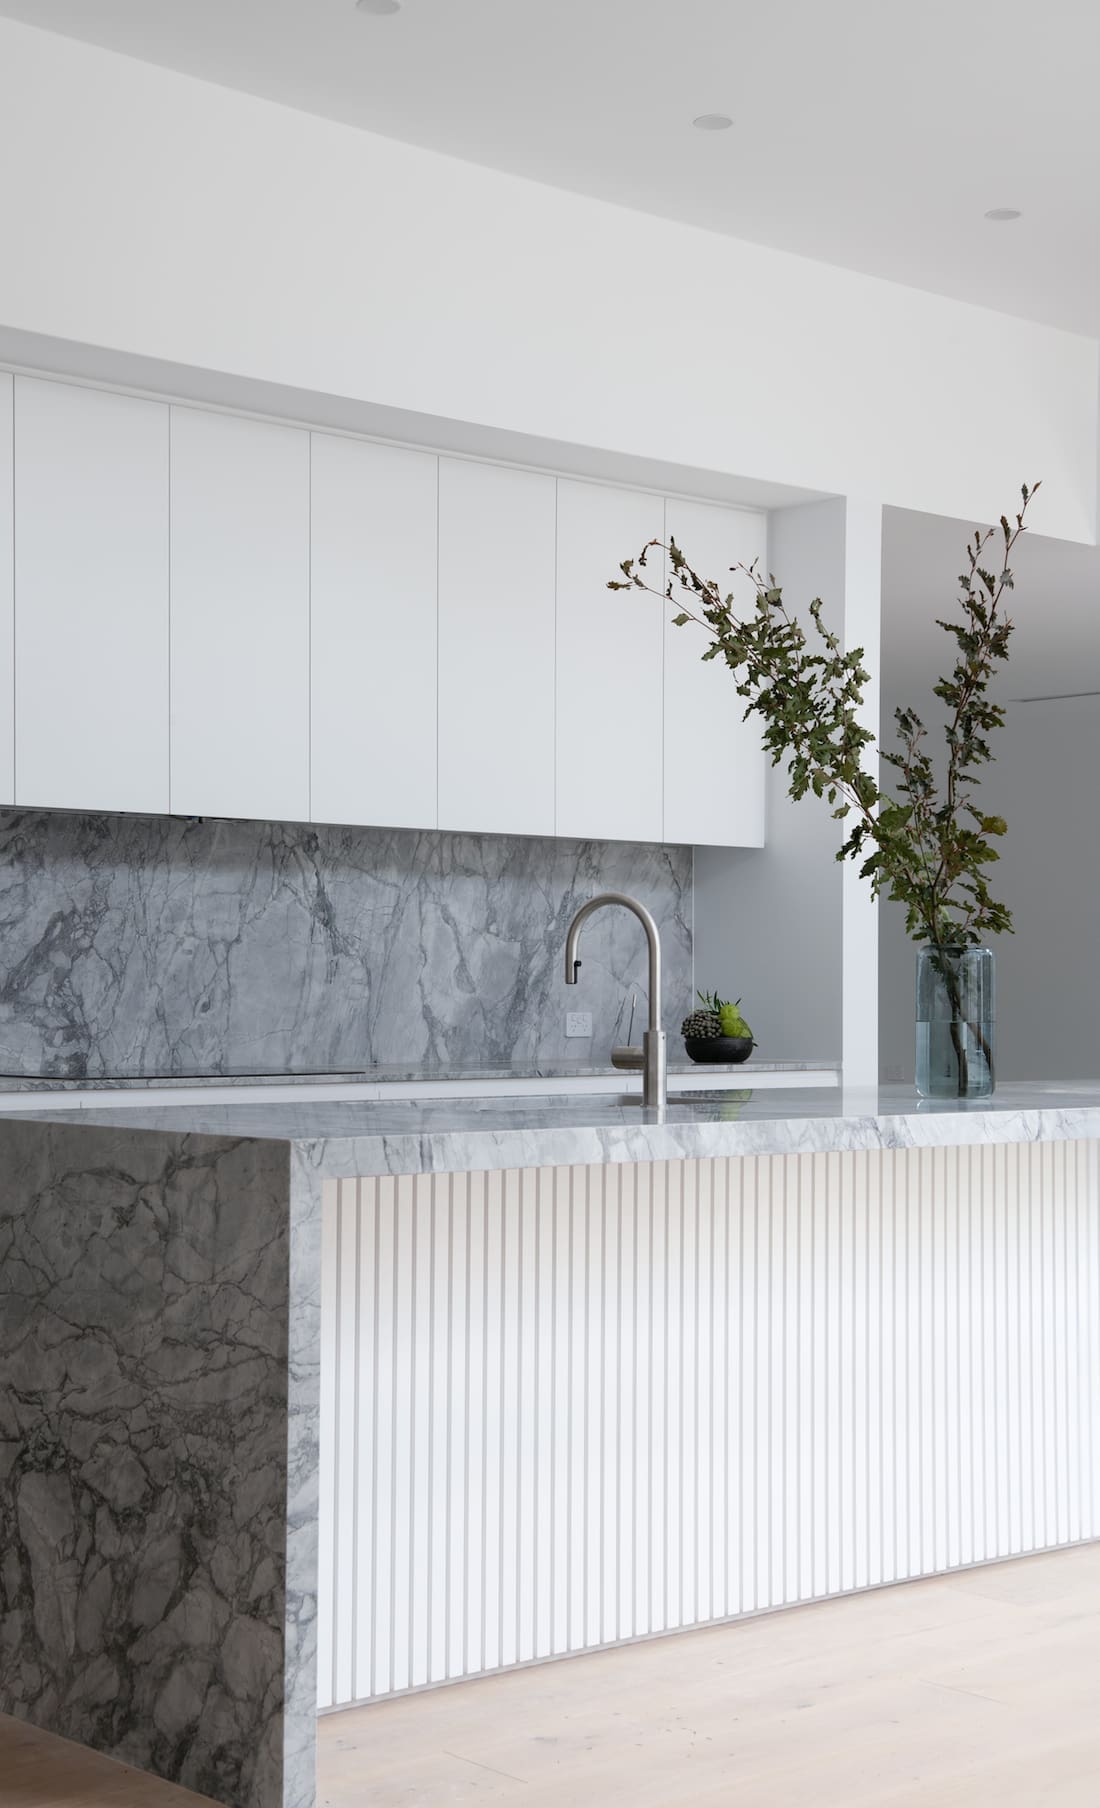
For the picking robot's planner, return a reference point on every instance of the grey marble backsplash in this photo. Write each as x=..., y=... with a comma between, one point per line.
x=140, y=945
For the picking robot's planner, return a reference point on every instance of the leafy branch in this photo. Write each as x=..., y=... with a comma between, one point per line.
x=928, y=845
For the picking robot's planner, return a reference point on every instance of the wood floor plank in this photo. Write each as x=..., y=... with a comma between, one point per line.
x=846, y=1704
x=951, y=1693
x=39, y=1770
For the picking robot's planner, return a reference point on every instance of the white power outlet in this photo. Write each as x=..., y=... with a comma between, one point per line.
x=578, y=1023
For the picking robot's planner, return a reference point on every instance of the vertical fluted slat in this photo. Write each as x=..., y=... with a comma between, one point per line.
x=565, y=1407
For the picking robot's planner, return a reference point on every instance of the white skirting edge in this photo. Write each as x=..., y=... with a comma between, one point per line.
x=732, y=1619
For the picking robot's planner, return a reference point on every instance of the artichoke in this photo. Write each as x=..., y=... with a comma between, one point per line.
x=700, y=1026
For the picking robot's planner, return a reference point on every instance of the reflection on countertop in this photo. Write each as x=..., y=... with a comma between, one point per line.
x=449, y=1135
x=423, y=1073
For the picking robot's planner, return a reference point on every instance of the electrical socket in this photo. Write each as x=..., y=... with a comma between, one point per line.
x=578, y=1023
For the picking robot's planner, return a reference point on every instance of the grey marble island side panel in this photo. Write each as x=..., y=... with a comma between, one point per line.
x=158, y=1405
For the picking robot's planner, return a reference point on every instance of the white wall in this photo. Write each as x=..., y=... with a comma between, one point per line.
x=768, y=922
x=859, y=910
x=157, y=215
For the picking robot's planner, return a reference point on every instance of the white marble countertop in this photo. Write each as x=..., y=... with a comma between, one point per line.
x=418, y=1136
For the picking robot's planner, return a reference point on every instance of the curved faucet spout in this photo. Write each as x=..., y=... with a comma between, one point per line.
x=653, y=938
x=654, y=1041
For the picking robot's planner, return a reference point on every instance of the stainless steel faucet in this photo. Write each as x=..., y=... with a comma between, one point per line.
x=651, y=1057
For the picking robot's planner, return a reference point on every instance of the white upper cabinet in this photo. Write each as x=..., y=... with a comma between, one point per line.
x=217, y=616
x=91, y=587
x=714, y=764
x=609, y=653
x=7, y=595
x=240, y=617
x=373, y=633
x=496, y=649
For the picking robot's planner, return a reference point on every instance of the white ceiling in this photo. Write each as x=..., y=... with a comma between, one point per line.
x=868, y=133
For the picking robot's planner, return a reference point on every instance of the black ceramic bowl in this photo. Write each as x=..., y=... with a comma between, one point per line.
x=716, y=1049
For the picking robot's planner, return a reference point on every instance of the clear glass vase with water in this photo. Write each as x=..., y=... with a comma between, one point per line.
x=956, y=1023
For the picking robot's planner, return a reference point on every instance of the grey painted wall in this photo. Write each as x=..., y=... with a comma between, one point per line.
x=768, y=920
x=143, y=945
x=1044, y=782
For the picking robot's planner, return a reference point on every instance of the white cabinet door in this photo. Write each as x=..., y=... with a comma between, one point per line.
x=609, y=705
x=496, y=649
x=373, y=633
x=91, y=590
x=240, y=617
x=714, y=765
x=7, y=595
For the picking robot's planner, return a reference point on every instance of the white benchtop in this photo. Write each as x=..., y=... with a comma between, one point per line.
x=356, y=1136
x=530, y=1079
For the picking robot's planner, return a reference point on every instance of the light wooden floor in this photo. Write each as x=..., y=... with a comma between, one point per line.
x=969, y=1690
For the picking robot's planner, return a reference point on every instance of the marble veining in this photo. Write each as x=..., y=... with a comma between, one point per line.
x=304, y=1210
x=362, y=1136
x=159, y=1381
x=153, y=1580
x=155, y=945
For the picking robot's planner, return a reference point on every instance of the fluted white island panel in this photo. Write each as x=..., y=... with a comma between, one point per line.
x=566, y=1407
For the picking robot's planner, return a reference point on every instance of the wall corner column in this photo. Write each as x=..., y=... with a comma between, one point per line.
x=859, y=910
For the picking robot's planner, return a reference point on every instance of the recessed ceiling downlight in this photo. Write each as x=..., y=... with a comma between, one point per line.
x=378, y=7
x=712, y=122
x=1003, y=213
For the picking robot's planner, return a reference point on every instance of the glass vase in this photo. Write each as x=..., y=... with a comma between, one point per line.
x=956, y=1023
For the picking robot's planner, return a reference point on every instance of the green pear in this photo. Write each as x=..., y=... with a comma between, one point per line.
x=733, y=1024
